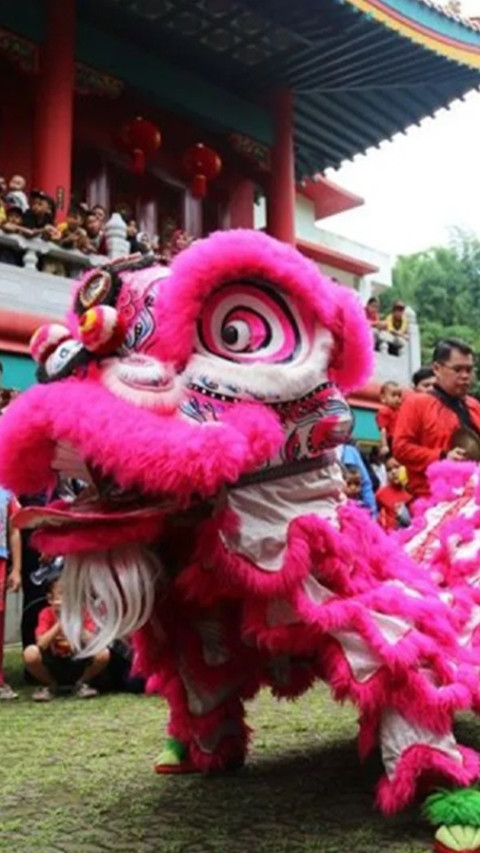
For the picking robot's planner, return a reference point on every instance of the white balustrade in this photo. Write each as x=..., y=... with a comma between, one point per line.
x=116, y=237
x=32, y=249
x=27, y=287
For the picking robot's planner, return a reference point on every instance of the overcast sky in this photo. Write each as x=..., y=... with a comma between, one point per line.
x=417, y=186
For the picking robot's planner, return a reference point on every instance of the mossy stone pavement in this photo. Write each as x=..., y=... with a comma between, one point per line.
x=76, y=777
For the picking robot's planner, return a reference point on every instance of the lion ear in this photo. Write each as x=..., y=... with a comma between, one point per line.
x=352, y=359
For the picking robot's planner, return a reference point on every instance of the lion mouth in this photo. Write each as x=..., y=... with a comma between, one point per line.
x=88, y=498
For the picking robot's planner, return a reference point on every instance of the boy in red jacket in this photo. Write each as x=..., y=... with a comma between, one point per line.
x=390, y=398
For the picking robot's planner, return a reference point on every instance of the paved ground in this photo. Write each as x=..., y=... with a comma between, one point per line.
x=75, y=777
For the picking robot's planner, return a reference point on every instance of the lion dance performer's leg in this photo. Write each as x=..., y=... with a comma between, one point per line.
x=204, y=672
x=405, y=706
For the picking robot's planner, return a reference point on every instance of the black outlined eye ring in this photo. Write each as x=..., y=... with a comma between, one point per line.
x=95, y=289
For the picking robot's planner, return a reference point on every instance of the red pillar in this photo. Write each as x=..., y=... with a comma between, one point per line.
x=54, y=103
x=281, y=195
x=241, y=207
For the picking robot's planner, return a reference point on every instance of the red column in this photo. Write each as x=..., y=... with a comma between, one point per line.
x=54, y=103
x=242, y=200
x=281, y=195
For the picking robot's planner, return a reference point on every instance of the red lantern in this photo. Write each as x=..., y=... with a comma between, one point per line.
x=142, y=138
x=201, y=164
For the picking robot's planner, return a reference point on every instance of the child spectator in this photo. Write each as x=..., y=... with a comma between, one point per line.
x=95, y=237
x=144, y=242
x=378, y=466
x=12, y=225
x=9, y=543
x=390, y=398
x=393, y=499
x=52, y=662
x=467, y=440
x=101, y=213
x=396, y=325
x=353, y=483
x=40, y=216
x=348, y=454
x=423, y=379
x=72, y=233
x=16, y=194
x=372, y=313
x=132, y=236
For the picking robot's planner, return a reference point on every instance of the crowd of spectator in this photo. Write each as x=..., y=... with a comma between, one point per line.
x=390, y=333
x=436, y=419
x=34, y=214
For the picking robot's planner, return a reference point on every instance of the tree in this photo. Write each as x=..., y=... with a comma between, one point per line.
x=442, y=285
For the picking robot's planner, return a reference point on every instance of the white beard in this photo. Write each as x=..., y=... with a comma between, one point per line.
x=115, y=588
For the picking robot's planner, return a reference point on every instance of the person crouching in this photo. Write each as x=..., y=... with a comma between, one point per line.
x=52, y=662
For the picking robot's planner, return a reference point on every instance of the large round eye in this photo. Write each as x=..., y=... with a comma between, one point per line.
x=94, y=289
x=244, y=331
x=251, y=321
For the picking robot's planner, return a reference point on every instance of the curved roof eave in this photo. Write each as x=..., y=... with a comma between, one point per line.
x=428, y=25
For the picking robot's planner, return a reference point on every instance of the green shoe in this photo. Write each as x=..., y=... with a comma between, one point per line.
x=174, y=758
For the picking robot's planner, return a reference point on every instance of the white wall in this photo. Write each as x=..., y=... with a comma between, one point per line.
x=308, y=230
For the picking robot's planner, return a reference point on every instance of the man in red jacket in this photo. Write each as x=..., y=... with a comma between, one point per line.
x=426, y=423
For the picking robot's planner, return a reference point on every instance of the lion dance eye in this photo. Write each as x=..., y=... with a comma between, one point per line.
x=244, y=321
x=244, y=331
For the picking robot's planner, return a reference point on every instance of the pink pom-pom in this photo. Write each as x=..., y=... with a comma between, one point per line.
x=101, y=330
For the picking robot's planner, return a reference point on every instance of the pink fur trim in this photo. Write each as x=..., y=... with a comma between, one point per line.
x=353, y=561
x=138, y=448
x=418, y=762
x=228, y=255
x=446, y=477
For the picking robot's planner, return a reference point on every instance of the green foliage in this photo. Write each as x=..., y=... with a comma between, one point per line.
x=442, y=285
x=460, y=807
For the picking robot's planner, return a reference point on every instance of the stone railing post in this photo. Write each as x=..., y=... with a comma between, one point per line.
x=414, y=348
x=30, y=258
x=116, y=237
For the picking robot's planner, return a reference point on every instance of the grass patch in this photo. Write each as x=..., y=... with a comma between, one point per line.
x=75, y=777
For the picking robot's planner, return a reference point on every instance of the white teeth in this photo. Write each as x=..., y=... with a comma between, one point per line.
x=144, y=382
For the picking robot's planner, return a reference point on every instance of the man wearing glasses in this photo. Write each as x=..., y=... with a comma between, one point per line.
x=443, y=424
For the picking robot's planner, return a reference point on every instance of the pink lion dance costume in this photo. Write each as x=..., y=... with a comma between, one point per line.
x=201, y=409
